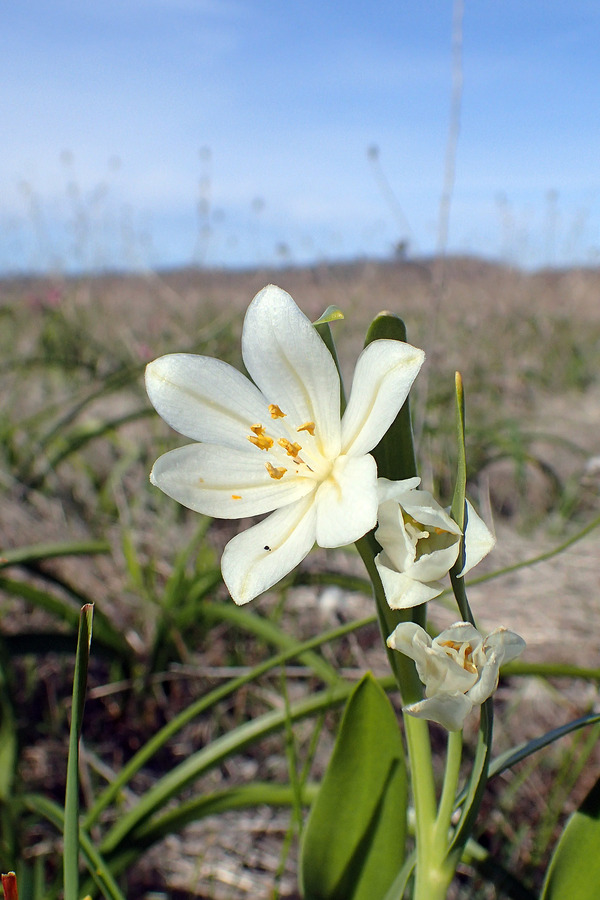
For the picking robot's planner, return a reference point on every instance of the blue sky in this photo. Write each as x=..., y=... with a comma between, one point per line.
x=236, y=132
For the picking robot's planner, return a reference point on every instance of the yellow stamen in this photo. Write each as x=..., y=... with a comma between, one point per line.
x=259, y=438
x=236, y=496
x=275, y=411
x=308, y=426
x=468, y=666
x=290, y=449
x=276, y=472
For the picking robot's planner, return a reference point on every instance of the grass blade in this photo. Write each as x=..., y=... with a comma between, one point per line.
x=71, y=825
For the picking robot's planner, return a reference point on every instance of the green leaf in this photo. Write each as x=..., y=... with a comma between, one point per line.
x=459, y=505
x=574, y=870
x=353, y=845
x=395, y=457
x=71, y=828
x=395, y=454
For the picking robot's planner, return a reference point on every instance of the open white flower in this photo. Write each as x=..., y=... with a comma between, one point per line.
x=459, y=668
x=420, y=542
x=278, y=444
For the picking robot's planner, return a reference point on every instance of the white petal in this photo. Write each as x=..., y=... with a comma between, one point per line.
x=228, y=484
x=508, y=644
x=459, y=633
x=347, y=502
x=422, y=506
x=205, y=399
x=433, y=566
x=256, y=559
x=384, y=374
x=291, y=365
x=479, y=540
x=396, y=490
x=410, y=639
x=488, y=680
x=392, y=536
x=447, y=709
x=402, y=591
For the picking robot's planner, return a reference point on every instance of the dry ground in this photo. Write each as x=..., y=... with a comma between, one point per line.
x=529, y=349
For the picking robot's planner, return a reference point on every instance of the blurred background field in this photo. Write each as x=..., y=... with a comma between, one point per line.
x=80, y=522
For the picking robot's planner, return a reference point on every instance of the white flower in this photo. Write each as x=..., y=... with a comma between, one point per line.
x=420, y=543
x=459, y=668
x=279, y=444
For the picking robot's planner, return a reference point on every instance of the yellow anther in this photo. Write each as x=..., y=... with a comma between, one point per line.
x=275, y=411
x=276, y=472
x=236, y=496
x=262, y=441
x=259, y=438
x=308, y=426
x=290, y=449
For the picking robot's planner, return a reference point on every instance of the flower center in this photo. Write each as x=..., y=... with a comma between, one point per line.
x=462, y=653
x=287, y=456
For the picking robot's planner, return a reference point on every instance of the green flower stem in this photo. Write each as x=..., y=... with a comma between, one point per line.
x=403, y=668
x=433, y=874
x=449, y=791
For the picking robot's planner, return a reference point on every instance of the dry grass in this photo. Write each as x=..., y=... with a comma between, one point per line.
x=528, y=346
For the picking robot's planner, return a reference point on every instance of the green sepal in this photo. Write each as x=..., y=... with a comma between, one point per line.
x=353, y=843
x=574, y=870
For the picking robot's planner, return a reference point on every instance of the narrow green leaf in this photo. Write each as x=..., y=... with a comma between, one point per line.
x=458, y=501
x=8, y=734
x=395, y=454
x=399, y=885
x=106, y=635
x=574, y=870
x=99, y=870
x=353, y=844
x=155, y=743
x=22, y=555
x=214, y=753
x=71, y=828
x=459, y=505
x=241, y=796
x=517, y=754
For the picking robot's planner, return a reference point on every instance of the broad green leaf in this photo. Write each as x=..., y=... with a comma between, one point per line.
x=574, y=871
x=71, y=826
x=353, y=845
